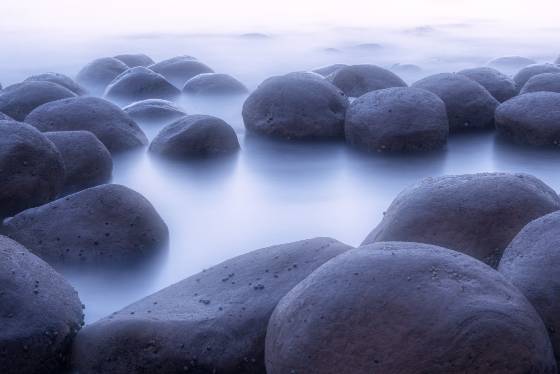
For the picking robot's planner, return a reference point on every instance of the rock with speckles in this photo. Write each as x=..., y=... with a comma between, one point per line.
x=214, y=84
x=134, y=60
x=329, y=69
x=59, y=79
x=498, y=84
x=96, y=75
x=178, y=70
x=530, y=71
x=548, y=82
x=154, y=111
x=356, y=80
x=5, y=117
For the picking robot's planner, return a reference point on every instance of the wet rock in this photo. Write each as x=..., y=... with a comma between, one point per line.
x=404, y=307
x=59, y=79
x=4, y=117
x=548, y=82
x=195, y=136
x=397, y=119
x=140, y=83
x=356, y=80
x=510, y=64
x=531, y=264
x=329, y=69
x=499, y=85
x=476, y=214
x=214, y=321
x=209, y=84
x=87, y=161
x=134, y=60
x=529, y=119
x=469, y=105
x=154, y=110
x=178, y=70
x=116, y=130
x=31, y=168
x=18, y=100
x=97, y=75
x=296, y=106
x=530, y=71
x=39, y=311
x=104, y=225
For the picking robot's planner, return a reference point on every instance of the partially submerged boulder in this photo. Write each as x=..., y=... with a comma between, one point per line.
x=356, y=80
x=96, y=75
x=498, y=84
x=214, y=84
x=530, y=71
x=510, y=64
x=328, y=70
x=154, y=111
x=134, y=60
x=5, y=117
x=140, y=83
x=60, y=79
x=178, y=70
x=547, y=82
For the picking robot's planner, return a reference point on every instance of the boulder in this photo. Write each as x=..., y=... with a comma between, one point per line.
x=4, y=117
x=329, y=69
x=154, y=111
x=476, y=214
x=39, y=311
x=548, y=82
x=356, y=80
x=134, y=60
x=406, y=69
x=498, y=84
x=103, y=225
x=530, y=71
x=397, y=119
x=18, y=100
x=510, y=64
x=209, y=84
x=31, y=168
x=60, y=79
x=296, y=106
x=195, y=136
x=469, y=105
x=406, y=308
x=87, y=161
x=116, y=129
x=178, y=70
x=96, y=75
x=211, y=322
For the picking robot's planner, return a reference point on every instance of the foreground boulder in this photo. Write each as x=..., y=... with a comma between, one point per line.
x=87, y=161
x=397, y=119
x=531, y=264
x=31, y=168
x=531, y=119
x=214, y=84
x=178, y=70
x=530, y=71
x=510, y=64
x=140, y=83
x=104, y=225
x=154, y=111
x=356, y=80
x=60, y=79
x=40, y=313
x=477, y=214
x=195, y=136
x=296, y=106
x=548, y=82
x=498, y=84
x=134, y=60
x=105, y=120
x=96, y=75
x=406, y=308
x=214, y=321
x=469, y=105
x=18, y=100
x=328, y=70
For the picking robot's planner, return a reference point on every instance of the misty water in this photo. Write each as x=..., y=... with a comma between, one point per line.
x=274, y=192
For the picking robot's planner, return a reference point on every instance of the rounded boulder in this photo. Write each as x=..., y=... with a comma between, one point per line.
x=356, y=80
x=97, y=75
x=510, y=64
x=134, y=60
x=329, y=69
x=60, y=79
x=498, y=84
x=178, y=70
x=547, y=82
x=214, y=84
x=154, y=111
x=530, y=71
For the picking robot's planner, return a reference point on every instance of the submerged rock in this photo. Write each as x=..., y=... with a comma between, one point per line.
x=208, y=84
x=178, y=70
x=548, y=82
x=329, y=69
x=356, y=80
x=18, y=100
x=510, y=63
x=60, y=79
x=87, y=161
x=134, y=60
x=498, y=84
x=406, y=308
x=96, y=75
x=40, y=313
x=530, y=71
x=104, y=225
x=397, y=119
x=406, y=69
x=214, y=321
x=296, y=106
x=469, y=105
x=154, y=110
x=116, y=129
x=477, y=214
x=31, y=168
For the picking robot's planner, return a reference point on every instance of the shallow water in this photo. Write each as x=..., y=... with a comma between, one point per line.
x=275, y=192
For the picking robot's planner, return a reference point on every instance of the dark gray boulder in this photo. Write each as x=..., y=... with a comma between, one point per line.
x=116, y=129
x=31, y=168
x=60, y=79
x=40, y=313
x=531, y=263
x=531, y=119
x=154, y=111
x=406, y=308
x=96, y=75
x=18, y=100
x=195, y=136
x=87, y=161
x=498, y=84
x=469, y=105
x=530, y=71
x=5, y=117
x=134, y=60
x=548, y=82
x=211, y=322
x=296, y=106
x=178, y=70
x=476, y=214
x=104, y=225
x=397, y=119
x=328, y=70
x=140, y=83
x=209, y=84
x=510, y=64
x=356, y=80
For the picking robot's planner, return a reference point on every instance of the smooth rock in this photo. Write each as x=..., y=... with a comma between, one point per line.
x=498, y=84
x=548, y=82
x=356, y=80
x=154, y=111
x=60, y=79
x=178, y=70
x=134, y=60
x=329, y=69
x=96, y=75
x=5, y=117
x=530, y=71
x=209, y=84
x=510, y=63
